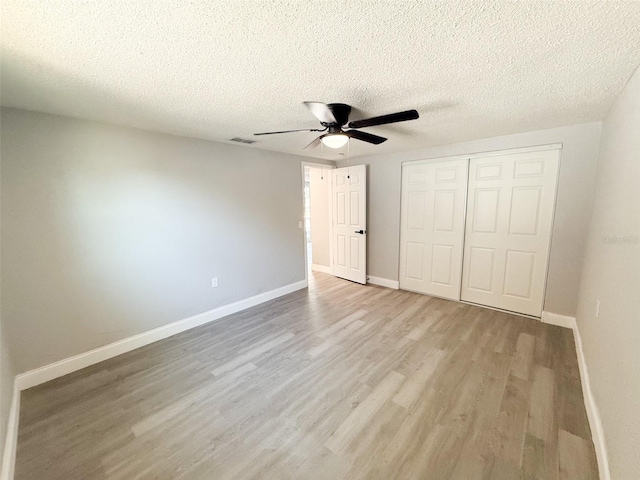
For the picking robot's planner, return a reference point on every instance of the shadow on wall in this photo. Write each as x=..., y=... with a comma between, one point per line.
x=19, y=81
x=110, y=231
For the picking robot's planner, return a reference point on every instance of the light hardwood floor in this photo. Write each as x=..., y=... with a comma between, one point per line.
x=340, y=381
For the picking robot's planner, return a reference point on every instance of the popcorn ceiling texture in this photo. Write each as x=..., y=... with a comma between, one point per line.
x=216, y=70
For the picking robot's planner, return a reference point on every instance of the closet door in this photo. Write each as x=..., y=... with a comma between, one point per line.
x=510, y=206
x=432, y=227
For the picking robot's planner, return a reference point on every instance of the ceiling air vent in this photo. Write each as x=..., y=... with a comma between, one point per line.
x=242, y=140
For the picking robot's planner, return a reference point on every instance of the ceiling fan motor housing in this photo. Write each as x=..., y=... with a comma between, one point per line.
x=341, y=113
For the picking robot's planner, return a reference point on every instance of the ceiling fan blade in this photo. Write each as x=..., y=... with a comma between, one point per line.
x=314, y=143
x=321, y=111
x=384, y=119
x=289, y=131
x=365, y=137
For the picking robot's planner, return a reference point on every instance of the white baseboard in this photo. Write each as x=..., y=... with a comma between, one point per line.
x=383, y=282
x=597, y=432
x=559, y=320
x=11, y=439
x=321, y=268
x=77, y=362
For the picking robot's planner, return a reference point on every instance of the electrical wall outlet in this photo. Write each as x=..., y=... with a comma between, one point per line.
x=597, y=308
x=214, y=282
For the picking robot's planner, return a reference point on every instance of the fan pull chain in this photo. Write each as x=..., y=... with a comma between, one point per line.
x=349, y=158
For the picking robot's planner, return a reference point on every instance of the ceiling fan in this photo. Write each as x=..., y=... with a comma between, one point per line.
x=334, y=116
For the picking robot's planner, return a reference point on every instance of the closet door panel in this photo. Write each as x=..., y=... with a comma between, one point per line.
x=432, y=227
x=511, y=200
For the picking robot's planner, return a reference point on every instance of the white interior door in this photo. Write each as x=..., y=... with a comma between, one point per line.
x=510, y=208
x=432, y=227
x=349, y=217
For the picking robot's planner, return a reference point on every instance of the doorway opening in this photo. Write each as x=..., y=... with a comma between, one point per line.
x=335, y=221
x=317, y=218
x=307, y=218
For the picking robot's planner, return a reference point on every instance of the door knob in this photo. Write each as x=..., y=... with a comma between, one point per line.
x=361, y=232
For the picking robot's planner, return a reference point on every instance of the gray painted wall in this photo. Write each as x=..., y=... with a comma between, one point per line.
x=108, y=232
x=577, y=178
x=611, y=274
x=319, y=182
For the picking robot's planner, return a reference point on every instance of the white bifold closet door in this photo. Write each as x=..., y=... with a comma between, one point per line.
x=432, y=227
x=508, y=230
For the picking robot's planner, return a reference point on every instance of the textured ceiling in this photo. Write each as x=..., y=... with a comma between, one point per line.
x=220, y=69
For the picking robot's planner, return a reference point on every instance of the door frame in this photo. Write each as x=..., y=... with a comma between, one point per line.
x=545, y=282
x=325, y=166
x=495, y=153
x=492, y=153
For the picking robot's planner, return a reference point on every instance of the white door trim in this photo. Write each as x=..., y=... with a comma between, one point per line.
x=508, y=151
x=496, y=153
x=11, y=438
x=304, y=231
x=553, y=224
x=510, y=267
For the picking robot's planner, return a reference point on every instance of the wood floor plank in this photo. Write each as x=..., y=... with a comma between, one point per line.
x=523, y=359
x=341, y=324
x=251, y=354
x=337, y=337
x=418, y=381
x=575, y=458
x=171, y=411
x=471, y=465
x=539, y=458
x=511, y=422
x=339, y=381
x=364, y=412
x=542, y=423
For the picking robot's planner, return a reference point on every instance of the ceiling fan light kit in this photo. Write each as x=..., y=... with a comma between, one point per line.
x=335, y=140
x=333, y=116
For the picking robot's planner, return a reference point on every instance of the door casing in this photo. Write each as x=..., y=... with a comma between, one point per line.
x=497, y=153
